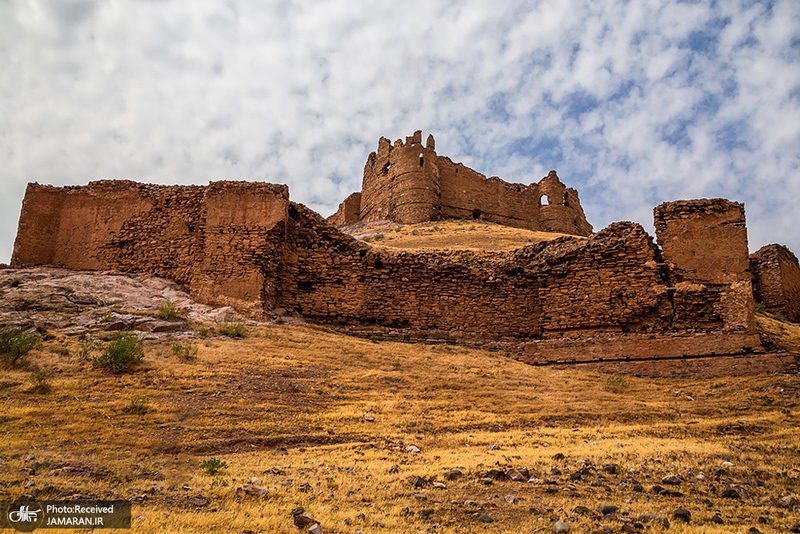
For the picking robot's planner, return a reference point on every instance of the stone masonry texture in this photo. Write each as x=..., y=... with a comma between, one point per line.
x=776, y=280
x=246, y=245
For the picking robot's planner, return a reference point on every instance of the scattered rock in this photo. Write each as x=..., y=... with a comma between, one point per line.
x=786, y=502
x=199, y=501
x=302, y=519
x=486, y=518
x=717, y=519
x=304, y=487
x=583, y=510
x=426, y=512
x=683, y=515
x=654, y=518
x=412, y=448
x=609, y=509
x=255, y=481
x=560, y=526
x=419, y=482
x=611, y=469
x=732, y=493
x=516, y=475
x=510, y=499
x=453, y=474
x=727, y=464
x=252, y=489
x=496, y=474
x=315, y=529
x=673, y=480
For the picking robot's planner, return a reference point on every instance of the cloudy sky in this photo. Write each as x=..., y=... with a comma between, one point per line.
x=633, y=103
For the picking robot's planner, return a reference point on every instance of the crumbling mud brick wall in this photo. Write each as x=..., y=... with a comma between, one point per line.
x=704, y=246
x=616, y=281
x=349, y=211
x=776, y=280
x=407, y=182
x=246, y=245
x=205, y=238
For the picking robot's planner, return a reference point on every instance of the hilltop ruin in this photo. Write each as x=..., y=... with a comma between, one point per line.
x=409, y=183
x=614, y=296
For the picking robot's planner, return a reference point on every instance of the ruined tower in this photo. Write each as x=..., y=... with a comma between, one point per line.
x=401, y=182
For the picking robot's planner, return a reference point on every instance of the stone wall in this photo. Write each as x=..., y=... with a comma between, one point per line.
x=207, y=239
x=704, y=244
x=409, y=183
x=246, y=245
x=776, y=280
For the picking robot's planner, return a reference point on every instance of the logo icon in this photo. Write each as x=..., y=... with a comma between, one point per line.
x=25, y=516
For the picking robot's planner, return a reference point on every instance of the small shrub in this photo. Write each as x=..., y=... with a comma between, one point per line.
x=107, y=316
x=212, y=466
x=367, y=239
x=205, y=332
x=122, y=354
x=219, y=482
x=187, y=351
x=41, y=382
x=168, y=311
x=617, y=383
x=396, y=366
x=139, y=405
x=231, y=329
x=378, y=237
x=374, y=339
x=16, y=282
x=331, y=483
x=760, y=307
x=17, y=342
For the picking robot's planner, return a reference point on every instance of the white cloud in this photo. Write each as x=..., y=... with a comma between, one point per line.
x=633, y=103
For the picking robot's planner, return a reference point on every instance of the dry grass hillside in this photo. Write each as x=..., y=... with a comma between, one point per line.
x=289, y=405
x=452, y=234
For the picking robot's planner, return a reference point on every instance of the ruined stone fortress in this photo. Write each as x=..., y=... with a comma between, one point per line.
x=409, y=183
x=614, y=296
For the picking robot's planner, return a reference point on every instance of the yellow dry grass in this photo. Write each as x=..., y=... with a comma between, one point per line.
x=286, y=404
x=454, y=234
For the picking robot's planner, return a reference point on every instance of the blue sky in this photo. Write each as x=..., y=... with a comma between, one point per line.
x=633, y=103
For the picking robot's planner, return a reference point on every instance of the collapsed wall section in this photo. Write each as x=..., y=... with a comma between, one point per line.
x=333, y=278
x=776, y=280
